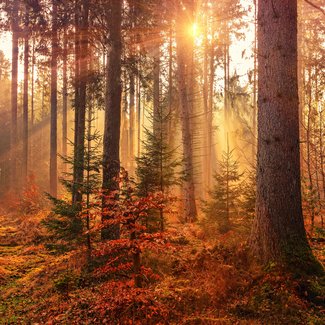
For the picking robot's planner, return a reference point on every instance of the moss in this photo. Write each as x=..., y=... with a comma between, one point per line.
x=299, y=259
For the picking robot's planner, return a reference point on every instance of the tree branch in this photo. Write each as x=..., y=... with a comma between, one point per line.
x=316, y=6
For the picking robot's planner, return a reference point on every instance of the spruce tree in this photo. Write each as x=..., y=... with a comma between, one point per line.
x=157, y=167
x=249, y=193
x=70, y=222
x=225, y=196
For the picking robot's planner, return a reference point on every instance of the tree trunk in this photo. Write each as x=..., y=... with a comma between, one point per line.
x=25, y=100
x=65, y=97
x=206, y=158
x=278, y=231
x=132, y=122
x=14, y=95
x=76, y=197
x=212, y=157
x=183, y=66
x=111, y=150
x=54, y=103
x=81, y=90
x=254, y=117
x=156, y=87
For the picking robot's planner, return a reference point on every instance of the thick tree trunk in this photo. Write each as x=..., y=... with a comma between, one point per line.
x=278, y=232
x=254, y=115
x=111, y=150
x=54, y=103
x=184, y=86
x=81, y=90
x=14, y=95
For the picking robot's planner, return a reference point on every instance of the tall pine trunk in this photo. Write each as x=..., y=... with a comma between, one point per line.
x=65, y=96
x=25, y=100
x=278, y=232
x=184, y=88
x=54, y=103
x=14, y=95
x=111, y=150
x=81, y=76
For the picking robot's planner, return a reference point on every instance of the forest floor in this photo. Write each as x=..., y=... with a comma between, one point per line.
x=202, y=281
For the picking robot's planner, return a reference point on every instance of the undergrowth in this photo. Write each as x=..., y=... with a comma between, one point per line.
x=202, y=280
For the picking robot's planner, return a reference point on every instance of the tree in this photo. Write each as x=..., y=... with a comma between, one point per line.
x=225, y=195
x=111, y=150
x=278, y=231
x=54, y=102
x=25, y=96
x=14, y=91
x=81, y=78
x=156, y=166
x=184, y=76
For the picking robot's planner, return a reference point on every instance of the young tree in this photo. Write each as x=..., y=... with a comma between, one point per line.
x=225, y=195
x=278, y=232
x=156, y=167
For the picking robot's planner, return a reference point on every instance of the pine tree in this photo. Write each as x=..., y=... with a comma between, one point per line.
x=70, y=222
x=249, y=193
x=157, y=167
x=225, y=195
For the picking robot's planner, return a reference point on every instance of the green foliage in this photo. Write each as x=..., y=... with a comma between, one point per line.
x=225, y=199
x=248, y=192
x=64, y=221
x=69, y=223
x=157, y=167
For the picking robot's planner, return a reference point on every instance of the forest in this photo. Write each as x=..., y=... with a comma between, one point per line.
x=162, y=162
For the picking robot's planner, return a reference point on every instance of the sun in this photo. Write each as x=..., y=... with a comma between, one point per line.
x=195, y=30
x=196, y=33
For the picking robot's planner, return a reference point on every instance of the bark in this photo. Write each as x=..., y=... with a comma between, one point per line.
x=138, y=109
x=254, y=124
x=134, y=40
x=132, y=122
x=33, y=84
x=184, y=87
x=171, y=120
x=65, y=97
x=81, y=85
x=211, y=148
x=14, y=94
x=111, y=150
x=278, y=232
x=206, y=158
x=25, y=101
x=309, y=144
x=75, y=195
x=54, y=102
x=125, y=134
x=156, y=88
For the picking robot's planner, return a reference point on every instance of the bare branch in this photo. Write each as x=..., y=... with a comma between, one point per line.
x=316, y=6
